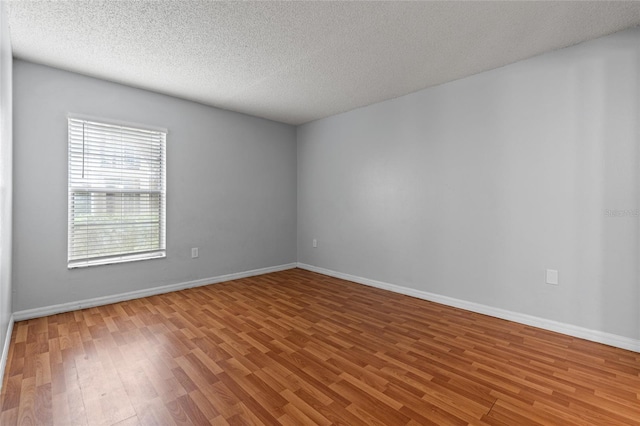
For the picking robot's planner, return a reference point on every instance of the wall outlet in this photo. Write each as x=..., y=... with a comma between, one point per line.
x=552, y=277
x=315, y=243
x=194, y=252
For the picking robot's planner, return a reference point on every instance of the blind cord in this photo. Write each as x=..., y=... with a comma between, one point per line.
x=82, y=150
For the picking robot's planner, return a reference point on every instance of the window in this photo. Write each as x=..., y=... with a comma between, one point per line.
x=117, y=193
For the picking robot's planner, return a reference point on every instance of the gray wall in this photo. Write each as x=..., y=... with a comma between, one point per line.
x=473, y=188
x=6, y=157
x=231, y=188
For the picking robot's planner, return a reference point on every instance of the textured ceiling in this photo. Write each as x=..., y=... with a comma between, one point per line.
x=299, y=61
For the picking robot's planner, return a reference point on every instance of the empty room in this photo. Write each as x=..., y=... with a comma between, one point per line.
x=317, y=213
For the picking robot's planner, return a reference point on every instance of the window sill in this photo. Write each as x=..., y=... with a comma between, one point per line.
x=116, y=259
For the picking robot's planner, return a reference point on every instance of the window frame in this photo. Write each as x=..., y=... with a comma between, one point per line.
x=159, y=250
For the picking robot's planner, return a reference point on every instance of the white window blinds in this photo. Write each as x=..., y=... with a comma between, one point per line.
x=117, y=195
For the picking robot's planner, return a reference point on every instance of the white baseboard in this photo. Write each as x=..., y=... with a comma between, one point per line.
x=546, y=324
x=106, y=300
x=5, y=350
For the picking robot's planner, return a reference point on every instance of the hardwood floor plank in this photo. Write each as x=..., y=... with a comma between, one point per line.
x=59, y=408
x=369, y=403
x=506, y=403
x=11, y=392
x=27, y=408
x=76, y=407
x=192, y=410
x=207, y=406
x=296, y=347
x=309, y=411
x=177, y=413
x=9, y=417
x=43, y=404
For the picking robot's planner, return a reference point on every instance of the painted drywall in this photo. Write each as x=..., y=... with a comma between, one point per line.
x=472, y=189
x=230, y=188
x=6, y=161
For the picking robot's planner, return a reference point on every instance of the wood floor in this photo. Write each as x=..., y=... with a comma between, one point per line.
x=300, y=348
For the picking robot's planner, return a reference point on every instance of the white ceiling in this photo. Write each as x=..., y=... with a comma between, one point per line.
x=299, y=61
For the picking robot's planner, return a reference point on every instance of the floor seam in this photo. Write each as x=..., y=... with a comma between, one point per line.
x=492, y=405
